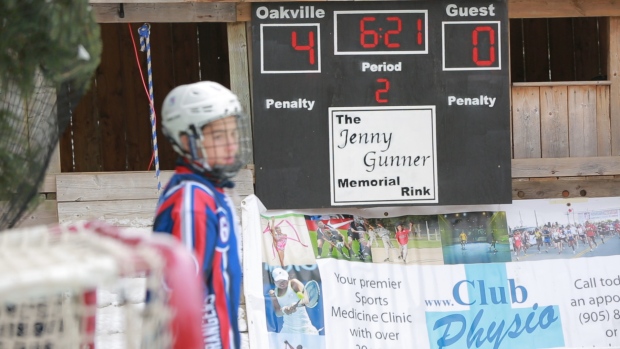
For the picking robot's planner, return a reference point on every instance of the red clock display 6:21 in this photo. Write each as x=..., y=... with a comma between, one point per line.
x=380, y=32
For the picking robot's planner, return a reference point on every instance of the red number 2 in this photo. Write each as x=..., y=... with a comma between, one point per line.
x=399, y=28
x=384, y=90
x=309, y=47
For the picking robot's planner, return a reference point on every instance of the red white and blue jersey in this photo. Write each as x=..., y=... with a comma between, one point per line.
x=198, y=213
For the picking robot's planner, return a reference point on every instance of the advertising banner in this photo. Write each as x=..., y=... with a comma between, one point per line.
x=532, y=274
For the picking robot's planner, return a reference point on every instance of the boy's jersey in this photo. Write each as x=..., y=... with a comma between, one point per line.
x=202, y=217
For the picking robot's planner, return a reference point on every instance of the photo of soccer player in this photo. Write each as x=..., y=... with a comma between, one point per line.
x=339, y=236
x=417, y=241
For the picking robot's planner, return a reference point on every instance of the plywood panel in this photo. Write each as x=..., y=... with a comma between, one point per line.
x=526, y=122
x=582, y=121
x=554, y=121
x=603, y=122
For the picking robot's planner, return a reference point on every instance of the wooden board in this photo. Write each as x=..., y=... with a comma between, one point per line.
x=135, y=213
x=582, y=121
x=46, y=213
x=575, y=188
x=614, y=76
x=554, y=121
x=603, y=121
x=562, y=8
x=566, y=167
x=526, y=122
x=106, y=186
x=123, y=198
x=239, y=65
x=169, y=12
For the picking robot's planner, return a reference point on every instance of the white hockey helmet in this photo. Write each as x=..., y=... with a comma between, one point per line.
x=187, y=109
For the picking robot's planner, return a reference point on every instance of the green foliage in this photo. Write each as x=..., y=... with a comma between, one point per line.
x=48, y=34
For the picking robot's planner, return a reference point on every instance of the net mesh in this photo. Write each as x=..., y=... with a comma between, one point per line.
x=52, y=281
x=49, y=50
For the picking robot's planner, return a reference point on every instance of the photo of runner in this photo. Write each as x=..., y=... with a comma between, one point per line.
x=565, y=229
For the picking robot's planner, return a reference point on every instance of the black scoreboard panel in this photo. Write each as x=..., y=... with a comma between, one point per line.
x=425, y=80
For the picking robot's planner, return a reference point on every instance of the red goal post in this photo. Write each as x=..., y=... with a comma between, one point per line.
x=49, y=276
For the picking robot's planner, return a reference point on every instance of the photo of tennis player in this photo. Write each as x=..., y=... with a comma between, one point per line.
x=294, y=305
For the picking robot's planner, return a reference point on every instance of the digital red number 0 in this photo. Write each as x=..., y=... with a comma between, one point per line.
x=384, y=90
x=366, y=33
x=420, y=36
x=309, y=47
x=399, y=28
x=474, y=40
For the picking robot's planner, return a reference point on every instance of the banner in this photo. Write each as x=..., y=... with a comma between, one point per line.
x=533, y=274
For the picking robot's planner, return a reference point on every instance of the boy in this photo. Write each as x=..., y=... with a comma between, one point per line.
x=206, y=126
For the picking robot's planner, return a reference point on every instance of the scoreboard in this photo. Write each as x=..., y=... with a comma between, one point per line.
x=381, y=103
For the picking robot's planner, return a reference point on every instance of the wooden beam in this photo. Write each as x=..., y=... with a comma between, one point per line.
x=239, y=67
x=46, y=213
x=613, y=72
x=566, y=167
x=165, y=12
x=562, y=8
x=111, y=186
x=106, y=11
x=564, y=189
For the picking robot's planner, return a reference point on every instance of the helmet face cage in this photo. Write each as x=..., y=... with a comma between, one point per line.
x=205, y=124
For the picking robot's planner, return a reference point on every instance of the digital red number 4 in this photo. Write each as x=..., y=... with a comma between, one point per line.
x=380, y=94
x=474, y=40
x=309, y=47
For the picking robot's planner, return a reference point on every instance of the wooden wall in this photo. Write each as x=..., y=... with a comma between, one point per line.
x=111, y=127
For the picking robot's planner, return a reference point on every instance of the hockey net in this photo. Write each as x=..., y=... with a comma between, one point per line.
x=50, y=277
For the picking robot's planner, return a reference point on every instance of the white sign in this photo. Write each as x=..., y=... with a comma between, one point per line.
x=383, y=155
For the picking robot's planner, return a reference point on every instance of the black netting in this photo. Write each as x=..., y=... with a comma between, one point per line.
x=49, y=50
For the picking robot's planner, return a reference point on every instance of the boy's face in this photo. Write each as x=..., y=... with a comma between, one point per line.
x=221, y=141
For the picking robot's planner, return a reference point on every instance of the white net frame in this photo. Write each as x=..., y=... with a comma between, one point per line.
x=49, y=278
